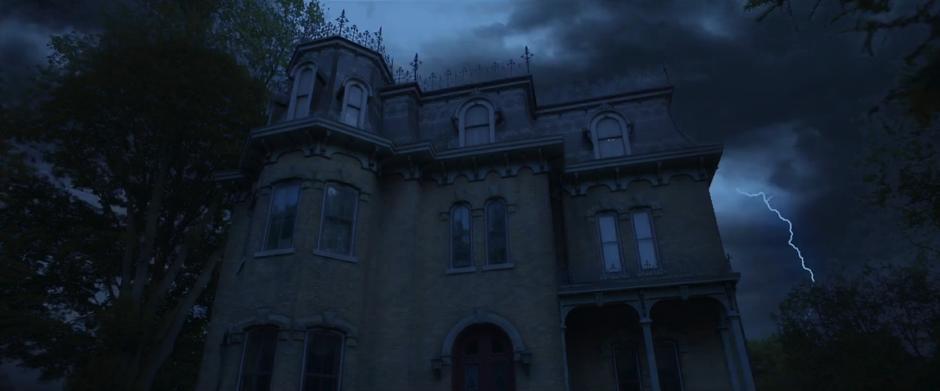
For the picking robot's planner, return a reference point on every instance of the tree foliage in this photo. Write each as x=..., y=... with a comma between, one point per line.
x=878, y=330
x=113, y=220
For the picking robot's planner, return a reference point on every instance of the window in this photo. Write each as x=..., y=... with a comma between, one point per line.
x=302, y=93
x=645, y=241
x=497, y=234
x=281, y=216
x=337, y=227
x=258, y=358
x=667, y=364
x=354, y=104
x=476, y=124
x=483, y=360
x=610, y=136
x=610, y=242
x=323, y=360
x=627, y=367
x=460, y=236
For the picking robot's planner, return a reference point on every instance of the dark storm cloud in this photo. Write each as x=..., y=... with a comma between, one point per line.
x=788, y=101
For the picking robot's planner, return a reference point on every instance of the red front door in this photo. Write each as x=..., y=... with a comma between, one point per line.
x=483, y=360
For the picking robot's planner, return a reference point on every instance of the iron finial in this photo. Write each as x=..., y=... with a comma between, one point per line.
x=526, y=57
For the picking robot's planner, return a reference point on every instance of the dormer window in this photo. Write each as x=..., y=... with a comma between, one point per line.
x=610, y=136
x=302, y=92
x=476, y=123
x=355, y=98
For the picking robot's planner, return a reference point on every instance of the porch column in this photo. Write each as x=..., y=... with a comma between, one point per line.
x=564, y=355
x=650, y=353
x=729, y=356
x=734, y=322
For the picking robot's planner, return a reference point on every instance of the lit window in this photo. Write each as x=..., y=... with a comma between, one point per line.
x=354, y=104
x=610, y=242
x=323, y=360
x=338, y=223
x=627, y=368
x=667, y=364
x=645, y=241
x=281, y=216
x=497, y=234
x=610, y=137
x=258, y=358
x=460, y=236
x=302, y=93
x=476, y=124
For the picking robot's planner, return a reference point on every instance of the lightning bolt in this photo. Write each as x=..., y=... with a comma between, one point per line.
x=766, y=200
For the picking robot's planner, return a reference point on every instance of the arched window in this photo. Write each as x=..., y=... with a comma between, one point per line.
x=338, y=219
x=610, y=241
x=483, y=360
x=476, y=123
x=355, y=97
x=460, y=253
x=497, y=232
x=258, y=358
x=302, y=92
x=667, y=364
x=323, y=360
x=610, y=136
x=645, y=239
x=281, y=216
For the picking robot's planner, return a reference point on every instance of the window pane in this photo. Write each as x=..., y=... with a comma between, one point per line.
x=303, y=90
x=608, y=228
x=460, y=236
x=258, y=362
x=641, y=225
x=611, y=257
x=628, y=376
x=303, y=106
x=610, y=147
x=477, y=115
x=477, y=135
x=339, y=215
x=501, y=375
x=305, y=83
x=667, y=364
x=607, y=128
x=471, y=378
x=647, y=253
x=496, y=247
x=281, y=216
x=351, y=116
x=355, y=96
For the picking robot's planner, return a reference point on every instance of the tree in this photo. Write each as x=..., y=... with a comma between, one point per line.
x=107, y=252
x=878, y=330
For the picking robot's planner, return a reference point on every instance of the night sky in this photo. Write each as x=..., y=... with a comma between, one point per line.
x=787, y=97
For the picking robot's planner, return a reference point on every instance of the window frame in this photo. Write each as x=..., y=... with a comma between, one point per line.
x=269, y=218
x=294, y=92
x=450, y=239
x=462, y=124
x=619, y=240
x=636, y=360
x=364, y=104
x=674, y=355
x=351, y=256
x=624, y=134
x=486, y=236
x=241, y=363
x=342, y=355
x=653, y=238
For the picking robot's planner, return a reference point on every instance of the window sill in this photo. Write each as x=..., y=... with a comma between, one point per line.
x=275, y=252
x=461, y=270
x=499, y=266
x=338, y=257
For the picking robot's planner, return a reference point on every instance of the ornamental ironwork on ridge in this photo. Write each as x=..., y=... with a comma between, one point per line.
x=341, y=27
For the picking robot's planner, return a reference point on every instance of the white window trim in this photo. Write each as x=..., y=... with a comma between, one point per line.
x=625, y=133
x=364, y=105
x=486, y=236
x=600, y=241
x=351, y=257
x=450, y=240
x=292, y=106
x=342, y=356
x=461, y=116
x=636, y=241
x=264, y=251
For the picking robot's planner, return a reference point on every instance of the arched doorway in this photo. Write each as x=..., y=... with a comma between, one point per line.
x=483, y=360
